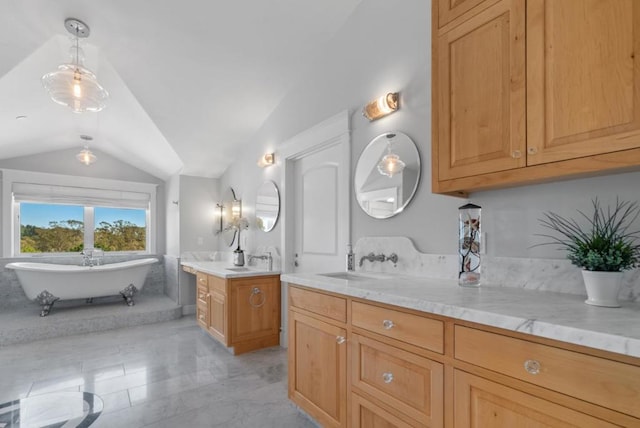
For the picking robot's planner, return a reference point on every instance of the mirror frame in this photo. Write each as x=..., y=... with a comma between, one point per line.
x=229, y=201
x=375, y=144
x=274, y=186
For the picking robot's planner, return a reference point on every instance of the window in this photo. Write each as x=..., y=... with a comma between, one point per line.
x=56, y=214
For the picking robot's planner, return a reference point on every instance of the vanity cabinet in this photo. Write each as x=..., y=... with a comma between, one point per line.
x=404, y=368
x=529, y=91
x=241, y=313
x=318, y=355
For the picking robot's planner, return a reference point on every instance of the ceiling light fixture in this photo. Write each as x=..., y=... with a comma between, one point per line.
x=381, y=107
x=267, y=160
x=390, y=164
x=73, y=85
x=86, y=156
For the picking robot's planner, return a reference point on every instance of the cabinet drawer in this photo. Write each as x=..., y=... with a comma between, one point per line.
x=600, y=381
x=188, y=269
x=318, y=303
x=413, y=329
x=217, y=284
x=203, y=290
x=202, y=315
x=404, y=381
x=365, y=414
x=202, y=279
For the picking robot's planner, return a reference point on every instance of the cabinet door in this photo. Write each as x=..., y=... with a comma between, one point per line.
x=255, y=308
x=583, y=77
x=448, y=10
x=218, y=316
x=317, y=369
x=480, y=93
x=480, y=403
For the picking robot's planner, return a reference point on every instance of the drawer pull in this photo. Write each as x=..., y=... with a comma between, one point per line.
x=388, y=324
x=387, y=377
x=532, y=367
x=340, y=340
x=201, y=317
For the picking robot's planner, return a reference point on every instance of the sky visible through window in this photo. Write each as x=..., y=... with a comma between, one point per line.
x=41, y=214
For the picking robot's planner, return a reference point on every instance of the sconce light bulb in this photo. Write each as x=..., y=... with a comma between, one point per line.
x=381, y=107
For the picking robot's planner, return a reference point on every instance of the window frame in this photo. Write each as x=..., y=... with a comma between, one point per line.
x=11, y=208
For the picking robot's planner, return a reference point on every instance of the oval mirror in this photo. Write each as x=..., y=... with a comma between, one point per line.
x=267, y=206
x=387, y=174
x=230, y=208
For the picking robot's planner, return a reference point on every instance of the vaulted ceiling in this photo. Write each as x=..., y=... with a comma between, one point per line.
x=190, y=81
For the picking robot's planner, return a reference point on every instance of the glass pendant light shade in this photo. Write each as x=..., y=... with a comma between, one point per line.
x=390, y=164
x=72, y=84
x=76, y=87
x=86, y=156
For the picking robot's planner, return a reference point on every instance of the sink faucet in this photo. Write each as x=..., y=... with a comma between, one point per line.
x=393, y=257
x=266, y=257
x=372, y=258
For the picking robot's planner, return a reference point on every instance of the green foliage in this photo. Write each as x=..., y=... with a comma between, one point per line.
x=605, y=243
x=68, y=236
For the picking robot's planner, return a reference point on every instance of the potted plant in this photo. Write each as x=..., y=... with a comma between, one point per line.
x=603, y=246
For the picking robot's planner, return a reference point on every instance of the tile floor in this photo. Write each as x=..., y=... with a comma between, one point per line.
x=169, y=374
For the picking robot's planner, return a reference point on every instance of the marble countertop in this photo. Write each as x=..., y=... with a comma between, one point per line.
x=559, y=316
x=227, y=269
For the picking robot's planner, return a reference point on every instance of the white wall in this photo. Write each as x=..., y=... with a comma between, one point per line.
x=385, y=46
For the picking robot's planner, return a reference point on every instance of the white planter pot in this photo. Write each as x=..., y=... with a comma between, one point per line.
x=602, y=288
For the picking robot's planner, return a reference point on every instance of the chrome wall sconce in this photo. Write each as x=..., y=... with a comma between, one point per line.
x=382, y=106
x=267, y=160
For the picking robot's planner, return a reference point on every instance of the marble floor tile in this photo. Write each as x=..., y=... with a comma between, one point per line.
x=170, y=374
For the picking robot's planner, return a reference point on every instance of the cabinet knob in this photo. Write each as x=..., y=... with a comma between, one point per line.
x=532, y=367
x=201, y=317
x=387, y=377
x=388, y=324
x=532, y=150
x=340, y=340
x=516, y=154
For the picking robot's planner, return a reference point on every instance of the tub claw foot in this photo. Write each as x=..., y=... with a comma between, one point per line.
x=127, y=294
x=47, y=300
x=89, y=300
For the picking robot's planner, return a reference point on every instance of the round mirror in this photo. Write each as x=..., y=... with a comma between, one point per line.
x=267, y=206
x=230, y=207
x=387, y=175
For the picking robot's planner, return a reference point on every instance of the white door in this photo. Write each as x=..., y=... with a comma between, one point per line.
x=320, y=228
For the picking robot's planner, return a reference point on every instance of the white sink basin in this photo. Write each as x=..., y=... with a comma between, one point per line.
x=356, y=276
x=239, y=269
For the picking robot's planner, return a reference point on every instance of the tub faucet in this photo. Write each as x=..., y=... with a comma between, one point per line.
x=266, y=257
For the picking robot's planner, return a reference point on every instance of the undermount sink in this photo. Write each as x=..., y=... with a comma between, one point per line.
x=239, y=269
x=355, y=276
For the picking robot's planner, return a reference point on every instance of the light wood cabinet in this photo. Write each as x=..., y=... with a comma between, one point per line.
x=411, y=369
x=530, y=91
x=482, y=403
x=241, y=313
x=317, y=368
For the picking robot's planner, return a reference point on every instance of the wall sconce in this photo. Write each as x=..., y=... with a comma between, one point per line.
x=381, y=107
x=267, y=160
x=220, y=214
x=236, y=209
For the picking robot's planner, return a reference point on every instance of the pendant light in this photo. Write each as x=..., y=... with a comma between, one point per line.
x=390, y=164
x=72, y=84
x=86, y=156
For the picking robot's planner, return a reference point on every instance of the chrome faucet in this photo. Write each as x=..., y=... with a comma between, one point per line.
x=393, y=257
x=372, y=258
x=266, y=257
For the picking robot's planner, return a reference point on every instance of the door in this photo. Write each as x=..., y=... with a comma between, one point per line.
x=583, y=77
x=317, y=369
x=255, y=308
x=480, y=403
x=480, y=87
x=320, y=192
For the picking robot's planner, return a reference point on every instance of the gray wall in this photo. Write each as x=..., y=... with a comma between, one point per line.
x=198, y=199
x=362, y=63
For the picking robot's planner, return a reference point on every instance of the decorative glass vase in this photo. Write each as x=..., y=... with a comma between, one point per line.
x=469, y=245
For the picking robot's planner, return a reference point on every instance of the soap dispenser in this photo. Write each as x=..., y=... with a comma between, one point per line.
x=350, y=259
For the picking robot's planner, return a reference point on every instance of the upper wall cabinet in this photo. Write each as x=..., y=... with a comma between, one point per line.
x=530, y=91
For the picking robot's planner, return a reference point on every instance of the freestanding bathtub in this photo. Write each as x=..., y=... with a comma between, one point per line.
x=47, y=283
